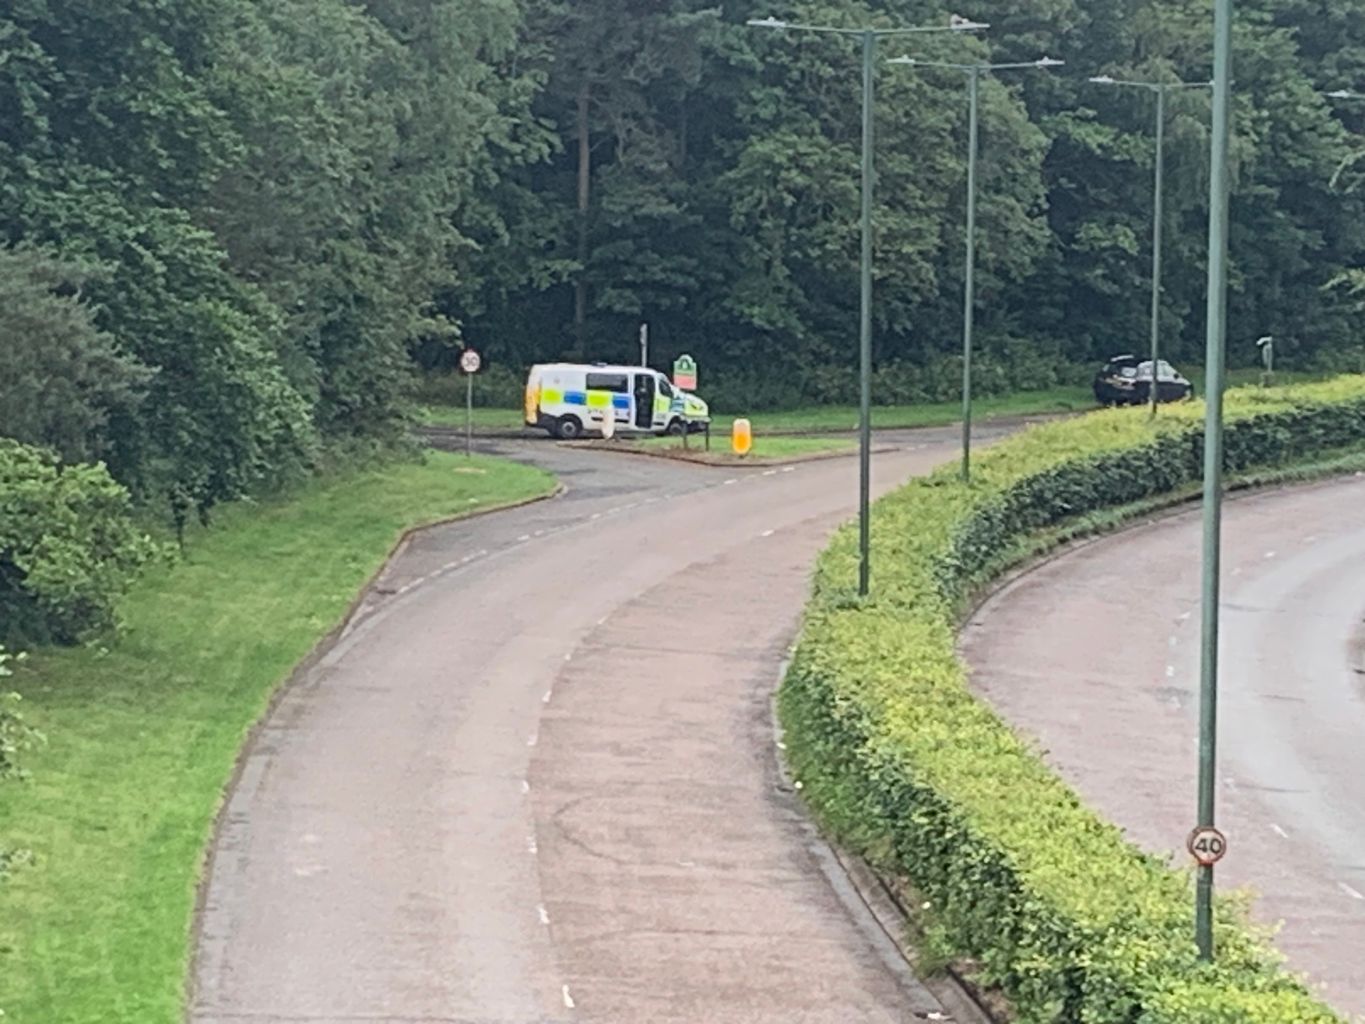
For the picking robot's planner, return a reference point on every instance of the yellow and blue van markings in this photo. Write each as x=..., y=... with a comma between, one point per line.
x=588, y=399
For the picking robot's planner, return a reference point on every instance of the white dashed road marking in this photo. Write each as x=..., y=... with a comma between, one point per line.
x=568, y=999
x=1351, y=892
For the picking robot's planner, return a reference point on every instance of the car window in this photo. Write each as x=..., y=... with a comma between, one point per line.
x=665, y=388
x=609, y=382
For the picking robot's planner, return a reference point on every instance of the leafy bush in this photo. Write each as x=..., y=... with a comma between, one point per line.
x=68, y=546
x=1060, y=911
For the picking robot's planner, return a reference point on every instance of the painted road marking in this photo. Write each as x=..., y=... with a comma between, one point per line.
x=1351, y=892
x=568, y=999
x=531, y=742
x=525, y=787
x=1279, y=831
x=548, y=695
x=544, y=914
x=767, y=533
x=531, y=845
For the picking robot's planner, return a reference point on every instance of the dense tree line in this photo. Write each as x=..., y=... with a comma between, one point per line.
x=706, y=181
x=229, y=229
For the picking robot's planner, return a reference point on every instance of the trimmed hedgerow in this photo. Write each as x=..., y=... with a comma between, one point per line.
x=1070, y=920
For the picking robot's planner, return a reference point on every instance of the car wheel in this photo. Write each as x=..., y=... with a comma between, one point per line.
x=675, y=428
x=570, y=428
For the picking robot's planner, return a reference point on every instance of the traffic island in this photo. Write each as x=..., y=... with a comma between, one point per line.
x=1058, y=910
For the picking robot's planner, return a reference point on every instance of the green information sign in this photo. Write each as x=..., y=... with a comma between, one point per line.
x=685, y=373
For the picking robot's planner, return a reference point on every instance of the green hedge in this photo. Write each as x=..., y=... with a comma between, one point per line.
x=1062, y=913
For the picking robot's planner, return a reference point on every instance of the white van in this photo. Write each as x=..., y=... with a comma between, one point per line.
x=571, y=399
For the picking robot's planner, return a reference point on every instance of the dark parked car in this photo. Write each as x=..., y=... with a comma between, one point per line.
x=1127, y=380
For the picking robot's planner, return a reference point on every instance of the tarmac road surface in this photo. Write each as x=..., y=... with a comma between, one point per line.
x=534, y=781
x=1096, y=654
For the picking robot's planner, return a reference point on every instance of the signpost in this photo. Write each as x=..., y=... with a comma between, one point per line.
x=644, y=344
x=685, y=373
x=1267, y=347
x=469, y=363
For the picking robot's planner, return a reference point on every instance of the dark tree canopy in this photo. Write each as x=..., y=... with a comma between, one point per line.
x=233, y=230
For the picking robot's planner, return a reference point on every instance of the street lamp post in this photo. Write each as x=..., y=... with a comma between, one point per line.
x=1158, y=219
x=974, y=73
x=869, y=37
x=1213, y=455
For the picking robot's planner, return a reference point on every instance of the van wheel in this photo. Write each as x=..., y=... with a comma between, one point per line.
x=675, y=428
x=570, y=428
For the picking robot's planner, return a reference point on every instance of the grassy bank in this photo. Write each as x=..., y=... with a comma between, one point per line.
x=1050, y=904
x=143, y=731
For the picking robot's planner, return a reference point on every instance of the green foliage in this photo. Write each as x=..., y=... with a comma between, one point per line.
x=1070, y=920
x=68, y=547
x=267, y=199
x=60, y=376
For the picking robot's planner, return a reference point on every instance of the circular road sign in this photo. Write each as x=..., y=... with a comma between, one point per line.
x=470, y=361
x=1207, y=846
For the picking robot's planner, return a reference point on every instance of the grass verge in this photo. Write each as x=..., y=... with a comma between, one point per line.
x=844, y=418
x=820, y=419
x=1049, y=903
x=143, y=731
x=765, y=449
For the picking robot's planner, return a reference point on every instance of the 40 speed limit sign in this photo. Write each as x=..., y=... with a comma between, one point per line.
x=1207, y=846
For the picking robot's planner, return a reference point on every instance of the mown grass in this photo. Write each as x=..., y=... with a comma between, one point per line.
x=842, y=418
x=143, y=731
x=821, y=419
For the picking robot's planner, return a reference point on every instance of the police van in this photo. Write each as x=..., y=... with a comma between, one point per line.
x=571, y=399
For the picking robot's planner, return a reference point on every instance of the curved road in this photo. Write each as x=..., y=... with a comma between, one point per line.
x=534, y=780
x=1096, y=654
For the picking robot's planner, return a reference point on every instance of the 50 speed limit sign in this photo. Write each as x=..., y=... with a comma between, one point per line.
x=1207, y=846
x=470, y=361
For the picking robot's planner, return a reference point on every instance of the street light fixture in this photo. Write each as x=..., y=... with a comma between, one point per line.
x=974, y=73
x=869, y=37
x=1160, y=89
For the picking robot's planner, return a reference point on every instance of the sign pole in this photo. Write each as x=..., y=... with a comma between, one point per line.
x=469, y=363
x=865, y=325
x=644, y=344
x=1213, y=457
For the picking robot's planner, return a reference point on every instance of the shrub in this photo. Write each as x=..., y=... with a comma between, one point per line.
x=1071, y=921
x=68, y=546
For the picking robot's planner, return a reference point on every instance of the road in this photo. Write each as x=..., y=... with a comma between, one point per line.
x=535, y=779
x=1096, y=654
